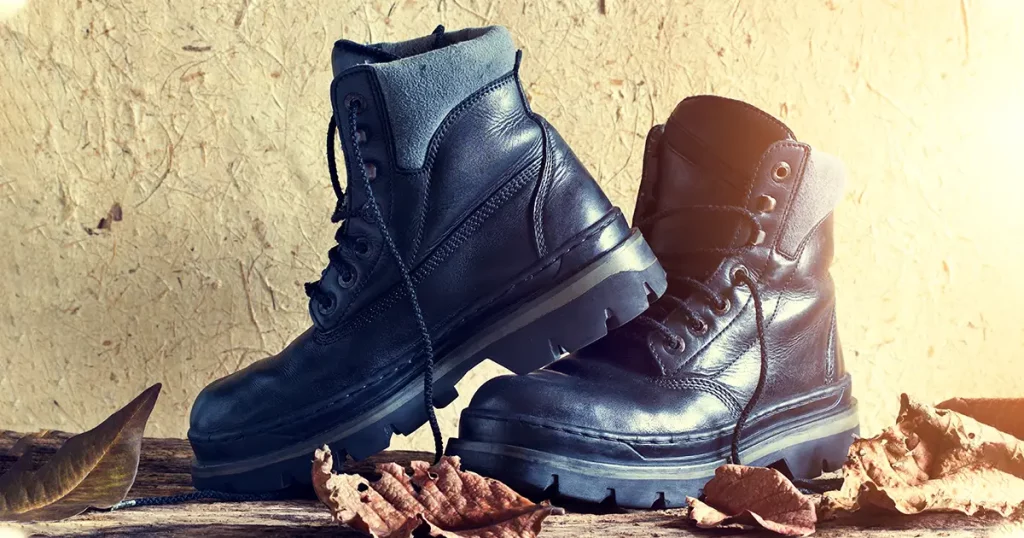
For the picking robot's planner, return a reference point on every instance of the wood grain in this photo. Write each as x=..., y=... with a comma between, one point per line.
x=164, y=470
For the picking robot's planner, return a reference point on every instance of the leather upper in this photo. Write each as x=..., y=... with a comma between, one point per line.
x=499, y=211
x=634, y=386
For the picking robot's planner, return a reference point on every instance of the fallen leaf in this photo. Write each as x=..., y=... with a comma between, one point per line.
x=753, y=496
x=451, y=502
x=1005, y=414
x=933, y=460
x=92, y=469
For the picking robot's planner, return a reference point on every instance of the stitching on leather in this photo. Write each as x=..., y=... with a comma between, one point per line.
x=746, y=305
x=599, y=227
x=657, y=356
x=792, y=192
x=701, y=384
x=434, y=146
x=542, y=191
x=406, y=363
x=454, y=241
x=378, y=377
x=438, y=138
x=449, y=248
x=830, y=359
x=764, y=267
x=671, y=439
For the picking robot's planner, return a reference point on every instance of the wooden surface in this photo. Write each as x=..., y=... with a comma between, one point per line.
x=164, y=470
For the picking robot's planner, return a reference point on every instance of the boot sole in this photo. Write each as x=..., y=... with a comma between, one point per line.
x=613, y=290
x=802, y=449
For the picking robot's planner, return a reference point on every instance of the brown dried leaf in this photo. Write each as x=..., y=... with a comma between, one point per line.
x=753, y=496
x=92, y=469
x=1005, y=414
x=451, y=502
x=933, y=460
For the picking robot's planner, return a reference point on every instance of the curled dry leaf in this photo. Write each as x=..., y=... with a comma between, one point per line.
x=92, y=469
x=451, y=502
x=743, y=496
x=1004, y=414
x=933, y=460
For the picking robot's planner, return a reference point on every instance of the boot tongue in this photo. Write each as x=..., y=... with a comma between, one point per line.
x=348, y=54
x=710, y=151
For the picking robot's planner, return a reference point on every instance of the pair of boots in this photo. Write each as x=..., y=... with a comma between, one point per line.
x=471, y=231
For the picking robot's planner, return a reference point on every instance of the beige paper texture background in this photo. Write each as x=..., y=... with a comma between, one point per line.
x=206, y=121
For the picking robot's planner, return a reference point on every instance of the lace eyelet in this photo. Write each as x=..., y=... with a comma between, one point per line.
x=674, y=346
x=360, y=136
x=781, y=172
x=765, y=204
x=354, y=102
x=326, y=310
x=362, y=247
x=371, y=171
x=699, y=327
x=738, y=275
x=722, y=309
x=347, y=278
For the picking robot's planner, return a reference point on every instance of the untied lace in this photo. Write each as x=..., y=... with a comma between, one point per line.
x=676, y=302
x=343, y=211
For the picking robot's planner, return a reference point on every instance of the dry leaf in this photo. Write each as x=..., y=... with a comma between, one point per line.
x=1004, y=414
x=933, y=460
x=743, y=496
x=92, y=469
x=453, y=503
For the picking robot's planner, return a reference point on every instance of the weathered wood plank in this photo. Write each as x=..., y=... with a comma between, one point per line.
x=164, y=470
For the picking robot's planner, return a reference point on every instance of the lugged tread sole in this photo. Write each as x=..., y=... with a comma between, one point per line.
x=801, y=452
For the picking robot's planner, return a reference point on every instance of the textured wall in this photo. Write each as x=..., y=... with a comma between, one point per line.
x=205, y=122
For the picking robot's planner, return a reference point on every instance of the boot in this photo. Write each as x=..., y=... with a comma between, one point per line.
x=739, y=361
x=470, y=231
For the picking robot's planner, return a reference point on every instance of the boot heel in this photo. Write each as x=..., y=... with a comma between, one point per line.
x=608, y=293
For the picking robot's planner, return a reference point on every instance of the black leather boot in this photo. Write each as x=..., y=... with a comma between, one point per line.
x=740, y=359
x=470, y=231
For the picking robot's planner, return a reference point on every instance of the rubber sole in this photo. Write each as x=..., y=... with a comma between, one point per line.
x=613, y=290
x=798, y=450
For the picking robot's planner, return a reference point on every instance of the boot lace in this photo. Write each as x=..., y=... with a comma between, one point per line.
x=339, y=254
x=685, y=286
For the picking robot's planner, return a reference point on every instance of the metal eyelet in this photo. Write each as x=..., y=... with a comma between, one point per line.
x=362, y=247
x=781, y=171
x=371, y=171
x=738, y=274
x=347, y=278
x=326, y=310
x=765, y=204
x=360, y=136
x=671, y=346
x=699, y=327
x=354, y=102
x=722, y=309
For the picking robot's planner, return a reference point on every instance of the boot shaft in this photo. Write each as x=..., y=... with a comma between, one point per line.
x=719, y=152
x=442, y=125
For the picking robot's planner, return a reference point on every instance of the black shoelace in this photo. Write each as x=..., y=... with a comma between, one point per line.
x=337, y=254
x=675, y=302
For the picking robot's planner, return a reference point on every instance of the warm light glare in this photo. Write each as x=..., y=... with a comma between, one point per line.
x=9, y=8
